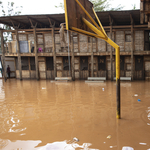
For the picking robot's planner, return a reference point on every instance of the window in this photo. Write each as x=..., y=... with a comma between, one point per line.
x=24, y=63
x=128, y=37
x=32, y=63
x=147, y=41
x=49, y=63
x=83, y=63
x=102, y=63
x=66, y=62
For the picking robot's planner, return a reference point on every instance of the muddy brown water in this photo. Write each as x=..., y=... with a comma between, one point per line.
x=40, y=115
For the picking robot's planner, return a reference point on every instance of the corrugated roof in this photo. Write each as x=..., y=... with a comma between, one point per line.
x=24, y=21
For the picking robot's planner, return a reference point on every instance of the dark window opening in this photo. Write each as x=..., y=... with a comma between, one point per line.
x=49, y=63
x=24, y=63
x=138, y=63
x=128, y=37
x=102, y=63
x=147, y=40
x=121, y=62
x=65, y=63
x=83, y=63
x=32, y=63
x=16, y=60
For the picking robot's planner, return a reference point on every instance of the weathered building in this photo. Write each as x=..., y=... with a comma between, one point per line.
x=40, y=53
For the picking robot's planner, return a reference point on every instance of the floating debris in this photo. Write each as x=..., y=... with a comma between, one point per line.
x=75, y=139
x=112, y=146
x=103, y=89
x=143, y=143
x=139, y=100
x=135, y=94
x=127, y=148
x=109, y=137
x=43, y=88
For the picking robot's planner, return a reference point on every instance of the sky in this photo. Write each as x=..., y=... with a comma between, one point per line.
x=48, y=6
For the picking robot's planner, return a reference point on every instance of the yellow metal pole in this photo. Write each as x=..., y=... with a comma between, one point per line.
x=66, y=15
x=98, y=32
x=86, y=32
x=118, y=81
x=99, y=22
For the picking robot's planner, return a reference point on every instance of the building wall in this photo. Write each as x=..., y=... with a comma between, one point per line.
x=83, y=46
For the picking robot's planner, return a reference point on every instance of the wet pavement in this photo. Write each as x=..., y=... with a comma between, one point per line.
x=40, y=115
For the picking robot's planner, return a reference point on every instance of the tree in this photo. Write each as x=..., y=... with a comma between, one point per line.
x=134, y=6
x=10, y=10
x=99, y=5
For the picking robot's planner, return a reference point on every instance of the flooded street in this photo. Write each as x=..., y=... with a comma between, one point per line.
x=40, y=115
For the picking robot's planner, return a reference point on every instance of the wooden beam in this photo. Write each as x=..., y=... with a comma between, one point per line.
x=39, y=22
x=19, y=56
x=3, y=56
x=72, y=51
x=142, y=18
x=19, y=22
x=54, y=52
x=96, y=45
x=132, y=48
x=54, y=20
x=36, y=54
x=92, y=58
x=112, y=20
x=43, y=42
x=111, y=54
x=125, y=27
x=78, y=43
x=29, y=66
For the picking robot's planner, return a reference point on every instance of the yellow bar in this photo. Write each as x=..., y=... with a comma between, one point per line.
x=86, y=32
x=118, y=82
x=112, y=43
x=117, y=63
x=66, y=15
x=98, y=32
x=88, y=15
x=99, y=22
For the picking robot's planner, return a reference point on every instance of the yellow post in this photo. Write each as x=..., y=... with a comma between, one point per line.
x=118, y=81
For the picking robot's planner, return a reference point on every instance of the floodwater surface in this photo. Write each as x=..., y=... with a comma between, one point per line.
x=40, y=115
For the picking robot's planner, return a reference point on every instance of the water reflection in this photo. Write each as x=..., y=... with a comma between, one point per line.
x=2, y=93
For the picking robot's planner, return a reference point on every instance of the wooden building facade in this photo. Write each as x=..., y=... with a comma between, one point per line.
x=40, y=52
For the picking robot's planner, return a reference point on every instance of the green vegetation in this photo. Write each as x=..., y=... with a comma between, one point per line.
x=99, y=5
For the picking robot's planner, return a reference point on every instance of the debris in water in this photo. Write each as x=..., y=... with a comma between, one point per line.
x=143, y=143
x=135, y=94
x=139, y=100
x=43, y=88
x=75, y=139
x=112, y=146
x=109, y=137
x=127, y=148
x=103, y=89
